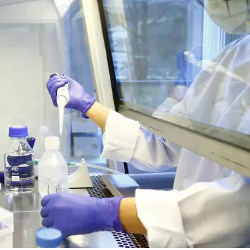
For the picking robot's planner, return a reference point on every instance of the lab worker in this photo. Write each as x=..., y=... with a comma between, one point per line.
x=210, y=204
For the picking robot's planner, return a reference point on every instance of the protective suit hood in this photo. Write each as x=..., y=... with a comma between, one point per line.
x=232, y=16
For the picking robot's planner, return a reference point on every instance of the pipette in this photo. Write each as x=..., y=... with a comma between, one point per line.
x=210, y=66
x=62, y=98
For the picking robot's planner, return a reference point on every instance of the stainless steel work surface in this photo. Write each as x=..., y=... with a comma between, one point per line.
x=26, y=209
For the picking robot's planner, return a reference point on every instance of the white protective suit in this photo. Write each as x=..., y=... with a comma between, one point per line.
x=210, y=204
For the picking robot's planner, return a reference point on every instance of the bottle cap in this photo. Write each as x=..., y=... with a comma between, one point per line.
x=48, y=237
x=18, y=131
x=52, y=142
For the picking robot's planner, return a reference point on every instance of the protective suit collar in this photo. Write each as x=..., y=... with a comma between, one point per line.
x=232, y=16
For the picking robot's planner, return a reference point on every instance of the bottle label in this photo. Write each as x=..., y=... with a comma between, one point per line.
x=19, y=166
x=15, y=178
x=56, y=185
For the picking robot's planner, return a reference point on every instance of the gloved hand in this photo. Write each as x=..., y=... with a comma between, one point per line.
x=79, y=99
x=74, y=214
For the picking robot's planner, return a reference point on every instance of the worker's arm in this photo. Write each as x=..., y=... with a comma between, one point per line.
x=129, y=218
x=124, y=139
x=75, y=214
x=127, y=141
x=98, y=114
x=206, y=214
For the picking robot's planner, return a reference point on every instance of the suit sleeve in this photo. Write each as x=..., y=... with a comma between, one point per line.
x=125, y=140
x=207, y=214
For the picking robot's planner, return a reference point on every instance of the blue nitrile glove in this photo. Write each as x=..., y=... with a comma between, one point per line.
x=79, y=99
x=74, y=214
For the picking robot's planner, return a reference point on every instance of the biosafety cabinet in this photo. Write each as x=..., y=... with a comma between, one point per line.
x=151, y=53
x=138, y=57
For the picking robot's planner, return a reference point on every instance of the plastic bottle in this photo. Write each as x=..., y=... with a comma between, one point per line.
x=48, y=237
x=18, y=162
x=52, y=169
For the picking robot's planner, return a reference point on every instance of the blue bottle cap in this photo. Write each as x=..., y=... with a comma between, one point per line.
x=18, y=131
x=48, y=237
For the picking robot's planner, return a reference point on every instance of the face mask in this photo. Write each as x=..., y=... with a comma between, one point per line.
x=234, y=21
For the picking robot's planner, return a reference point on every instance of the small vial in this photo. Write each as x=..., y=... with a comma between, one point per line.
x=18, y=162
x=48, y=237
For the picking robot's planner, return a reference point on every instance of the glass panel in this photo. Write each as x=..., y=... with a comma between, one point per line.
x=38, y=38
x=148, y=40
x=169, y=58
x=85, y=136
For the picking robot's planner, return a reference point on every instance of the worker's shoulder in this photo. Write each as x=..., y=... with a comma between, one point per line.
x=237, y=50
x=240, y=43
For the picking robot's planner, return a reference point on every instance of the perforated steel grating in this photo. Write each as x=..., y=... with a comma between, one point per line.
x=123, y=240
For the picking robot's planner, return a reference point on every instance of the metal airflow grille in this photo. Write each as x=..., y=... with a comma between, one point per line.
x=124, y=240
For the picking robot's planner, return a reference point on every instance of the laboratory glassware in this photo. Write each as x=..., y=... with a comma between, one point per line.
x=19, y=168
x=52, y=169
x=31, y=141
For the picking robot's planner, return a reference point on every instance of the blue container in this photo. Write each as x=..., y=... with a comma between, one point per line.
x=48, y=237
